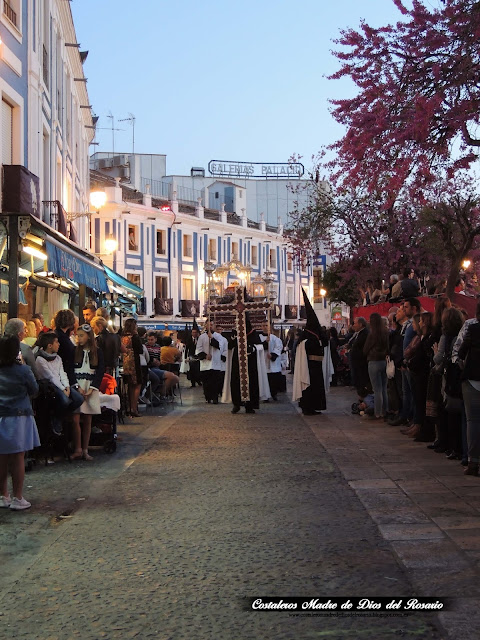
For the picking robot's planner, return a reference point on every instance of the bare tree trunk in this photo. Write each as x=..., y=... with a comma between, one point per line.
x=452, y=278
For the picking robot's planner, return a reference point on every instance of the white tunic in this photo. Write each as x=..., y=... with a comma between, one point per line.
x=203, y=346
x=275, y=346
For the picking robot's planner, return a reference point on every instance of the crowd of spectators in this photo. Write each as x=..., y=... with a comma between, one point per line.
x=72, y=365
x=411, y=284
x=421, y=371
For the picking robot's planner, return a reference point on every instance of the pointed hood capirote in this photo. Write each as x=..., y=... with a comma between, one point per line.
x=195, y=325
x=313, y=324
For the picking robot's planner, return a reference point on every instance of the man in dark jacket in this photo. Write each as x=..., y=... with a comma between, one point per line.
x=358, y=359
x=190, y=348
x=109, y=343
x=410, y=286
x=469, y=352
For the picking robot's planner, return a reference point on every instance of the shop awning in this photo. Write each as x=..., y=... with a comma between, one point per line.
x=120, y=281
x=68, y=264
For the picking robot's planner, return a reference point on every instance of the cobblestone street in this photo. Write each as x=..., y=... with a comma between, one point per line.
x=199, y=509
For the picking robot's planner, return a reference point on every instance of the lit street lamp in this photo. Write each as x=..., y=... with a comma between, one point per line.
x=111, y=244
x=98, y=199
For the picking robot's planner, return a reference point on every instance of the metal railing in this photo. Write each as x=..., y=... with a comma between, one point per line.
x=212, y=215
x=158, y=188
x=56, y=216
x=232, y=218
x=9, y=12
x=188, y=195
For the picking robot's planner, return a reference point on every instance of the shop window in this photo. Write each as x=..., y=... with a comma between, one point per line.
x=133, y=237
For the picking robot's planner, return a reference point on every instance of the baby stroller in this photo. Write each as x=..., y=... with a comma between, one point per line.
x=104, y=430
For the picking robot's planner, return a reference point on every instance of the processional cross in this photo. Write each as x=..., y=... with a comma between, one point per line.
x=238, y=308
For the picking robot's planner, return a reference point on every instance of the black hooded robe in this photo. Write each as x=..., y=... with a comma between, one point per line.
x=313, y=397
x=253, y=338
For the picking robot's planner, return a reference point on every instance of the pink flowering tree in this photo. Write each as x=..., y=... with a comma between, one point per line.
x=398, y=193
x=418, y=100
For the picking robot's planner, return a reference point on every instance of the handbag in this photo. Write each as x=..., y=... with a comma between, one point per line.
x=390, y=368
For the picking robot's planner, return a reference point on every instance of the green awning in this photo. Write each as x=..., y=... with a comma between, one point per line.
x=120, y=281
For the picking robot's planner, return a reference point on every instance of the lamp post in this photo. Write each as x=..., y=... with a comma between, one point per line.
x=111, y=244
x=209, y=268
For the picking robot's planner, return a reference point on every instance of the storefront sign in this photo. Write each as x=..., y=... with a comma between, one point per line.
x=233, y=169
x=66, y=264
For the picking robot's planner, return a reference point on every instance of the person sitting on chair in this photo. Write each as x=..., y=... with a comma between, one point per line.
x=50, y=369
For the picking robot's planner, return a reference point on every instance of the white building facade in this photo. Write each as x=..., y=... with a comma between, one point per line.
x=46, y=117
x=271, y=198
x=163, y=249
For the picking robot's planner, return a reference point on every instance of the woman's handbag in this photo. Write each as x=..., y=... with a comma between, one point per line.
x=390, y=368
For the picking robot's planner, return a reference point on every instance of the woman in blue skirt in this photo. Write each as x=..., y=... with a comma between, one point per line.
x=18, y=431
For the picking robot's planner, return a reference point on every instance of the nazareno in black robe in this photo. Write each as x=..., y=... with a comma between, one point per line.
x=252, y=339
x=313, y=397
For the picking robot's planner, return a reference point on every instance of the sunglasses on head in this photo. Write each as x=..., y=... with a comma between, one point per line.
x=85, y=327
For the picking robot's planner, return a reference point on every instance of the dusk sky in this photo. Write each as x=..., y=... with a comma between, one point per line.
x=217, y=79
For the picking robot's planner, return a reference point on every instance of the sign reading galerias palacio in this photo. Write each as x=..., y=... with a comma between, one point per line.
x=233, y=169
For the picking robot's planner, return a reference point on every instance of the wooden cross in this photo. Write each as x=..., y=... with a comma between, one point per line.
x=238, y=307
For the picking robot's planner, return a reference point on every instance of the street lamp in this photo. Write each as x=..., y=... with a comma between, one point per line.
x=98, y=199
x=323, y=293
x=258, y=287
x=466, y=263
x=111, y=244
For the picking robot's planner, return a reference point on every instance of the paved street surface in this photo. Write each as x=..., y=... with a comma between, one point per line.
x=199, y=509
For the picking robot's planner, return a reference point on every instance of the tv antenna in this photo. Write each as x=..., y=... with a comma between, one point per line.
x=131, y=118
x=112, y=129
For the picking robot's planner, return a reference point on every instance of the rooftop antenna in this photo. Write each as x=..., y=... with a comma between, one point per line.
x=112, y=129
x=131, y=118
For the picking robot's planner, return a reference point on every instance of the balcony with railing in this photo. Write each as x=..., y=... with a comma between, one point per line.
x=158, y=188
x=10, y=13
x=56, y=216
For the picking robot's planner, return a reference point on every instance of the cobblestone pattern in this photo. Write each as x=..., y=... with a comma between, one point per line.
x=220, y=507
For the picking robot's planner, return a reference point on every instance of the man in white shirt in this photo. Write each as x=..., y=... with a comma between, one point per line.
x=219, y=350
x=203, y=352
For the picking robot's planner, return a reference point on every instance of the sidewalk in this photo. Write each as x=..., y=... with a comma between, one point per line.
x=200, y=508
x=423, y=504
